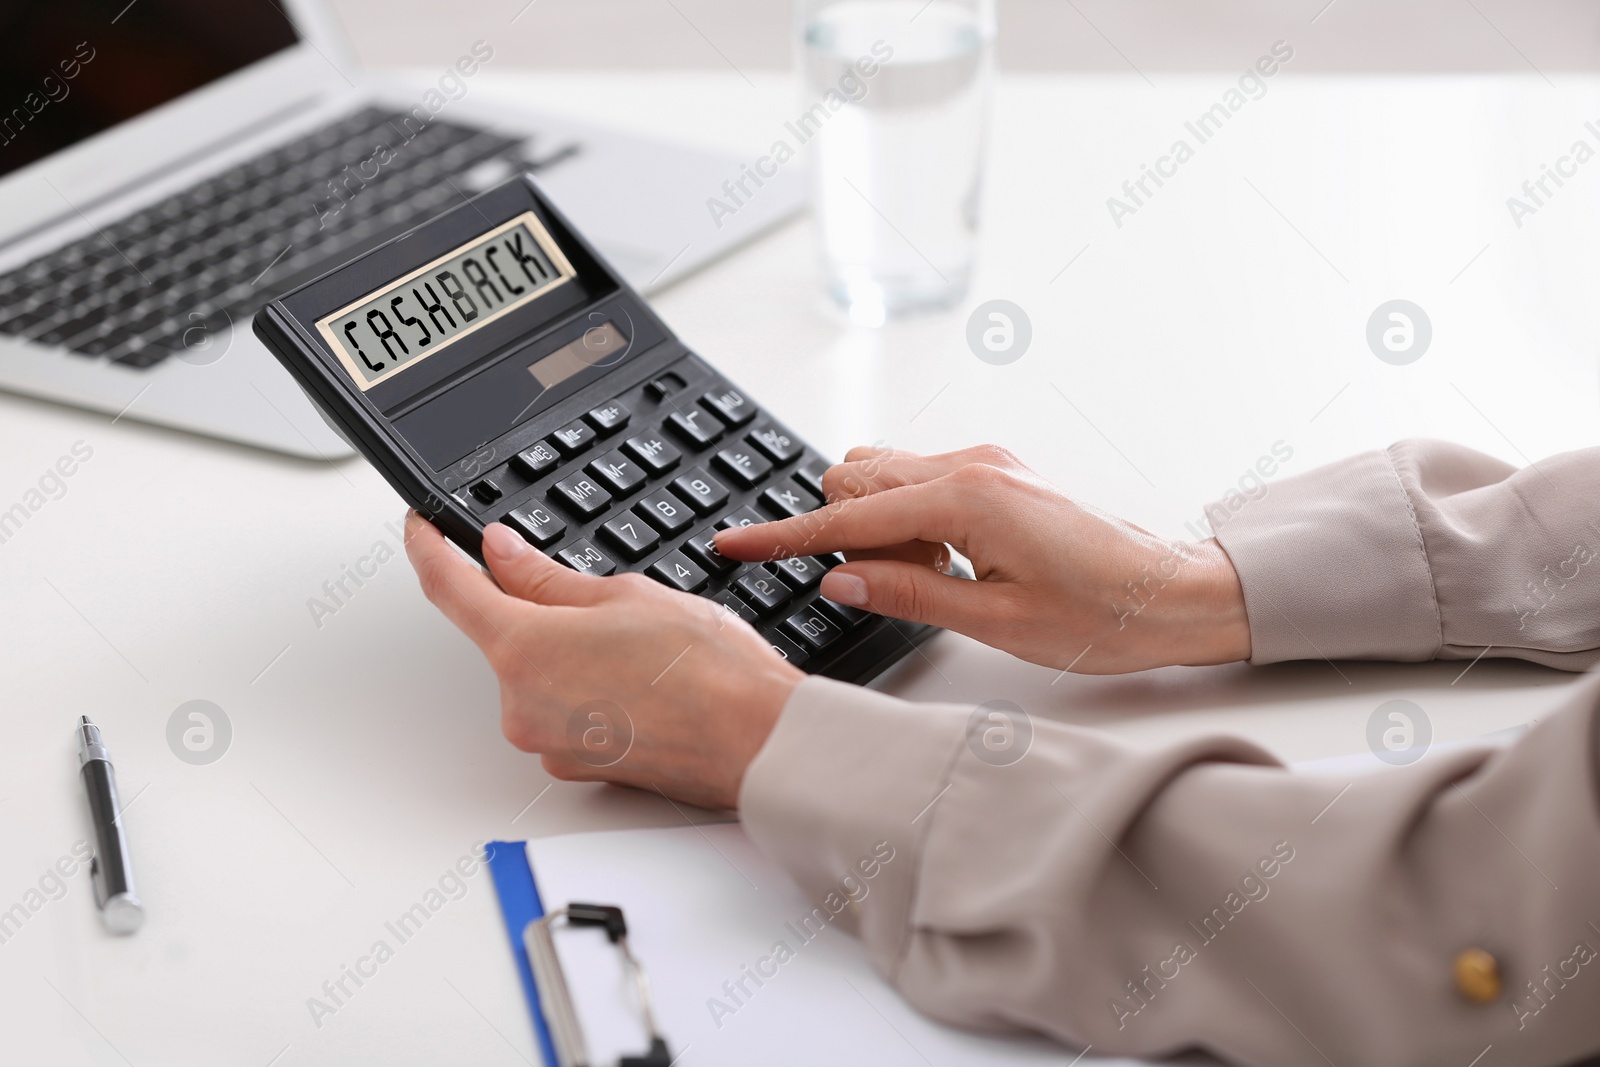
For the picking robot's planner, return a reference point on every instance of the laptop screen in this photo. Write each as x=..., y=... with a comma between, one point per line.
x=70, y=69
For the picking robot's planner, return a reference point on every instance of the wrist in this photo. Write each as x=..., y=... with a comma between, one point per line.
x=1217, y=628
x=763, y=704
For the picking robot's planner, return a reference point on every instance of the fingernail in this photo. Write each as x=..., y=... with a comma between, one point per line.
x=844, y=589
x=502, y=542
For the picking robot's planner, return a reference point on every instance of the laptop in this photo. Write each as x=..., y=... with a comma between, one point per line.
x=167, y=167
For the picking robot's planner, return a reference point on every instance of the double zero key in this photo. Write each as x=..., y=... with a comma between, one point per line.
x=584, y=558
x=814, y=629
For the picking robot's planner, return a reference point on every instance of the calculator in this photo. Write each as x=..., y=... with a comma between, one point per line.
x=494, y=368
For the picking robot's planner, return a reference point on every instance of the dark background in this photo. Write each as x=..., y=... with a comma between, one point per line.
x=155, y=50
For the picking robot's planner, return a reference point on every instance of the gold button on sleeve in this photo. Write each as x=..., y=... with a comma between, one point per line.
x=1477, y=976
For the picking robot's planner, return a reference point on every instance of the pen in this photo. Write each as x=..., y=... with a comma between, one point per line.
x=110, y=870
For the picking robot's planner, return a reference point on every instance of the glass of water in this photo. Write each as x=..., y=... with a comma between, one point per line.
x=895, y=115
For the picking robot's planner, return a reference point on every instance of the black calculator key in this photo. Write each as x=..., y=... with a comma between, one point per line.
x=744, y=465
x=583, y=557
x=534, y=461
x=697, y=426
x=666, y=512
x=632, y=535
x=763, y=589
x=809, y=475
x=814, y=629
x=742, y=517
x=704, y=493
x=779, y=445
x=786, y=648
x=623, y=475
x=574, y=437
x=703, y=547
x=609, y=418
x=652, y=450
x=583, y=495
x=845, y=615
x=787, y=499
x=802, y=572
x=536, y=524
x=680, y=572
x=731, y=406
x=737, y=605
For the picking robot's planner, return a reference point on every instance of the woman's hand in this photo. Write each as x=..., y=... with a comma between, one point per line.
x=610, y=679
x=1059, y=583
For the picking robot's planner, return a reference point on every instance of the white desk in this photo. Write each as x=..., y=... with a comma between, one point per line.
x=367, y=756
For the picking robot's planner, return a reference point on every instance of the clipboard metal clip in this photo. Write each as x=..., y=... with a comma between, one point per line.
x=555, y=996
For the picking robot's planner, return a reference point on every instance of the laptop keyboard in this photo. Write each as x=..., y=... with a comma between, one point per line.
x=643, y=481
x=190, y=265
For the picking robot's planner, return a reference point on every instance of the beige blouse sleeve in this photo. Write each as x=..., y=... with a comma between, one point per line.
x=1203, y=896
x=1426, y=550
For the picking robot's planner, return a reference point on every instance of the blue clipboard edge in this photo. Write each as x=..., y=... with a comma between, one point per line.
x=519, y=906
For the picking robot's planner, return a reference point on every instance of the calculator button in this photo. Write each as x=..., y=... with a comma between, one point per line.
x=809, y=475
x=745, y=466
x=621, y=474
x=703, y=547
x=742, y=517
x=731, y=406
x=666, y=512
x=609, y=418
x=631, y=534
x=653, y=452
x=574, y=437
x=703, y=492
x=697, y=426
x=846, y=616
x=787, y=499
x=786, y=648
x=536, y=524
x=776, y=442
x=534, y=461
x=802, y=572
x=815, y=630
x=679, y=571
x=583, y=557
x=582, y=495
x=735, y=604
x=763, y=589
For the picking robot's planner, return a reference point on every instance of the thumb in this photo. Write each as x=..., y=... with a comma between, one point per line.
x=907, y=591
x=524, y=571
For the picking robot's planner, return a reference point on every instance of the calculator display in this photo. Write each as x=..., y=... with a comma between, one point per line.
x=431, y=308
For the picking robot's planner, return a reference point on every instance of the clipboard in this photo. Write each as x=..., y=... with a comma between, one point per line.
x=530, y=928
